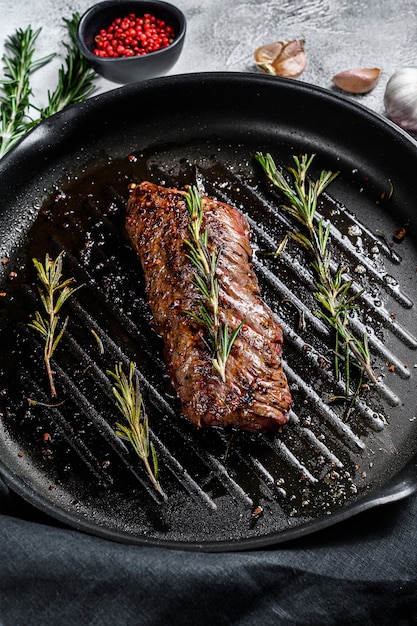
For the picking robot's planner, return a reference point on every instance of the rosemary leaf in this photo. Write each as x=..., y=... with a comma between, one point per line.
x=59, y=336
x=129, y=401
x=332, y=290
x=98, y=340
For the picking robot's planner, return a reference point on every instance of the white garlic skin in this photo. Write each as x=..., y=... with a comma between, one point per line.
x=400, y=98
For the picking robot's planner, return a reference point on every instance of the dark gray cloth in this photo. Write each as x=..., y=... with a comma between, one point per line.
x=362, y=571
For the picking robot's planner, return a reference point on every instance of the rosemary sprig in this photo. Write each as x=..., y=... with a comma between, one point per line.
x=220, y=337
x=53, y=295
x=75, y=76
x=130, y=403
x=332, y=290
x=15, y=89
x=74, y=83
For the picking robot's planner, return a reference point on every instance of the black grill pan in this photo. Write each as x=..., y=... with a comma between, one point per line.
x=64, y=187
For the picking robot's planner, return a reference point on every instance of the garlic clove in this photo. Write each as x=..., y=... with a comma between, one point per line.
x=282, y=58
x=360, y=80
x=400, y=98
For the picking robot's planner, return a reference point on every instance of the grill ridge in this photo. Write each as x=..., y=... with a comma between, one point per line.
x=336, y=424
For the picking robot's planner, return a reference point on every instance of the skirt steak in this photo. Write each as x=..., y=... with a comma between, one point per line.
x=255, y=395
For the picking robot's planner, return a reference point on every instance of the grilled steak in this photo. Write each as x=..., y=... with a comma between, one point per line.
x=255, y=395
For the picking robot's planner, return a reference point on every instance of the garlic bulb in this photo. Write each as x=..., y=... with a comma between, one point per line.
x=401, y=98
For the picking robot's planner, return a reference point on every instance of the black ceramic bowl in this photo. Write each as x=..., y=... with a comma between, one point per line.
x=130, y=69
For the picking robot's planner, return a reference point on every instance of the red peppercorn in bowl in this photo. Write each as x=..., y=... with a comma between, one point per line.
x=130, y=41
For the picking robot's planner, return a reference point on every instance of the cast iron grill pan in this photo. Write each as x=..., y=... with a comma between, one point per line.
x=65, y=188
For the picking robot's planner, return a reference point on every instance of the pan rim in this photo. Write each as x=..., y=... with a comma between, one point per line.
x=401, y=484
